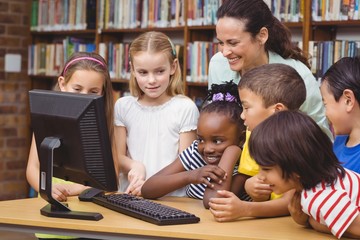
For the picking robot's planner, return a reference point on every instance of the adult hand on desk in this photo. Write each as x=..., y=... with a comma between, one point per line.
x=227, y=207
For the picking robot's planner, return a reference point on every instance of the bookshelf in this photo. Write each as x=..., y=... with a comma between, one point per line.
x=333, y=33
x=104, y=27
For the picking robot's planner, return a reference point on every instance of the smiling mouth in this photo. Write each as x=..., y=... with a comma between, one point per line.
x=231, y=60
x=212, y=159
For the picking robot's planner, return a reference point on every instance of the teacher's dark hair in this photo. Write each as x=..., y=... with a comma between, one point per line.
x=256, y=14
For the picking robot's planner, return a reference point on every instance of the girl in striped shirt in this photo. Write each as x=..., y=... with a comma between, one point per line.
x=211, y=162
x=294, y=153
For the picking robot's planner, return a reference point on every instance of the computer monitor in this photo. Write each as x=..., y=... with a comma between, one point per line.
x=73, y=144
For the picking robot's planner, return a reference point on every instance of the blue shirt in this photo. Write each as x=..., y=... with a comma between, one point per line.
x=348, y=156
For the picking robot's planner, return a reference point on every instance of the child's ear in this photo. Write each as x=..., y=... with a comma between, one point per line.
x=174, y=66
x=279, y=107
x=349, y=99
x=61, y=83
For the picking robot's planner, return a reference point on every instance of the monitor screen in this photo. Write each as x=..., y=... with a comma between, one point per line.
x=72, y=140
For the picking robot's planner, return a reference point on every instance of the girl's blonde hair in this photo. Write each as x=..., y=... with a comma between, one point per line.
x=156, y=42
x=92, y=62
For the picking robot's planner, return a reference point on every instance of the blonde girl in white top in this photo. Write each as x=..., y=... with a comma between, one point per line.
x=157, y=121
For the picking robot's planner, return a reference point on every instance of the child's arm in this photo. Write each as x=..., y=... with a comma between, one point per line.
x=227, y=162
x=353, y=231
x=168, y=179
x=228, y=207
x=134, y=169
x=60, y=191
x=186, y=139
x=33, y=167
x=295, y=210
x=175, y=176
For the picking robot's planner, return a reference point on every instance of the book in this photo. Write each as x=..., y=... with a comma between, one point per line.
x=90, y=14
x=34, y=15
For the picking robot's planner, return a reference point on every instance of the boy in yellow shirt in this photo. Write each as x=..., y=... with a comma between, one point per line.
x=263, y=91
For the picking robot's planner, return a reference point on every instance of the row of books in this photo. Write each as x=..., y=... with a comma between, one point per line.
x=63, y=15
x=335, y=10
x=202, y=12
x=117, y=57
x=128, y=14
x=49, y=58
x=199, y=54
x=287, y=10
x=323, y=54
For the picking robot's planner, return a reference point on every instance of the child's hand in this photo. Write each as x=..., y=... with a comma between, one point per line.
x=296, y=211
x=257, y=189
x=203, y=174
x=60, y=192
x=227, y=207
x=135, y=186
x=136, y=178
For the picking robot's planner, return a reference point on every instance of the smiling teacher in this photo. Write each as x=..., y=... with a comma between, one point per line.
x=249, y=36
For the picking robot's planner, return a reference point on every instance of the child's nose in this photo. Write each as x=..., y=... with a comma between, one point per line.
x=242, y=115
x=151, y=78
x=261, y=175
x=208, y=148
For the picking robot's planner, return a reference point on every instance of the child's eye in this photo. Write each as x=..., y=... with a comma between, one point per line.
x=142, y=72
x=266, y=168
x=161, y=71
x=218, y=141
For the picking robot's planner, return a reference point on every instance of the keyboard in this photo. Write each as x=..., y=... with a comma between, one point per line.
x=145, y=209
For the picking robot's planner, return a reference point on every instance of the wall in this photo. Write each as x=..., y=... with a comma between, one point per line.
x=14, y=127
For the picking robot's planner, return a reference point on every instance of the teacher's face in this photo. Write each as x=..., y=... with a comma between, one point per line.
x=242, y=50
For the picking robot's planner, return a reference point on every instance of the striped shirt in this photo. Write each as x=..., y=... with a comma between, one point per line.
x=191, y=160
x=335, y=205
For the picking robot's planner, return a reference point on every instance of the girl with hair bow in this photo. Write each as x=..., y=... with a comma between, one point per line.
x=211, y=162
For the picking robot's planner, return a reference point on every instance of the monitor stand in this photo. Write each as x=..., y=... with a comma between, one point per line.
x=55, y=208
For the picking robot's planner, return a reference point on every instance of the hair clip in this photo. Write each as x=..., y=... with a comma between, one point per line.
x=220, y=97
x=172, y=48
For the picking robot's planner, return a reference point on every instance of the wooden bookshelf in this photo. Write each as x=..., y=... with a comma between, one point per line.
x=182, y=34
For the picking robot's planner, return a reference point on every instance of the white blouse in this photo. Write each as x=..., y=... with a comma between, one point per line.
x=153, y=132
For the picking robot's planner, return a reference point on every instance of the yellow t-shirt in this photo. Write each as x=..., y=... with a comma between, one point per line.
x=248, y=166
x=41, y=235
